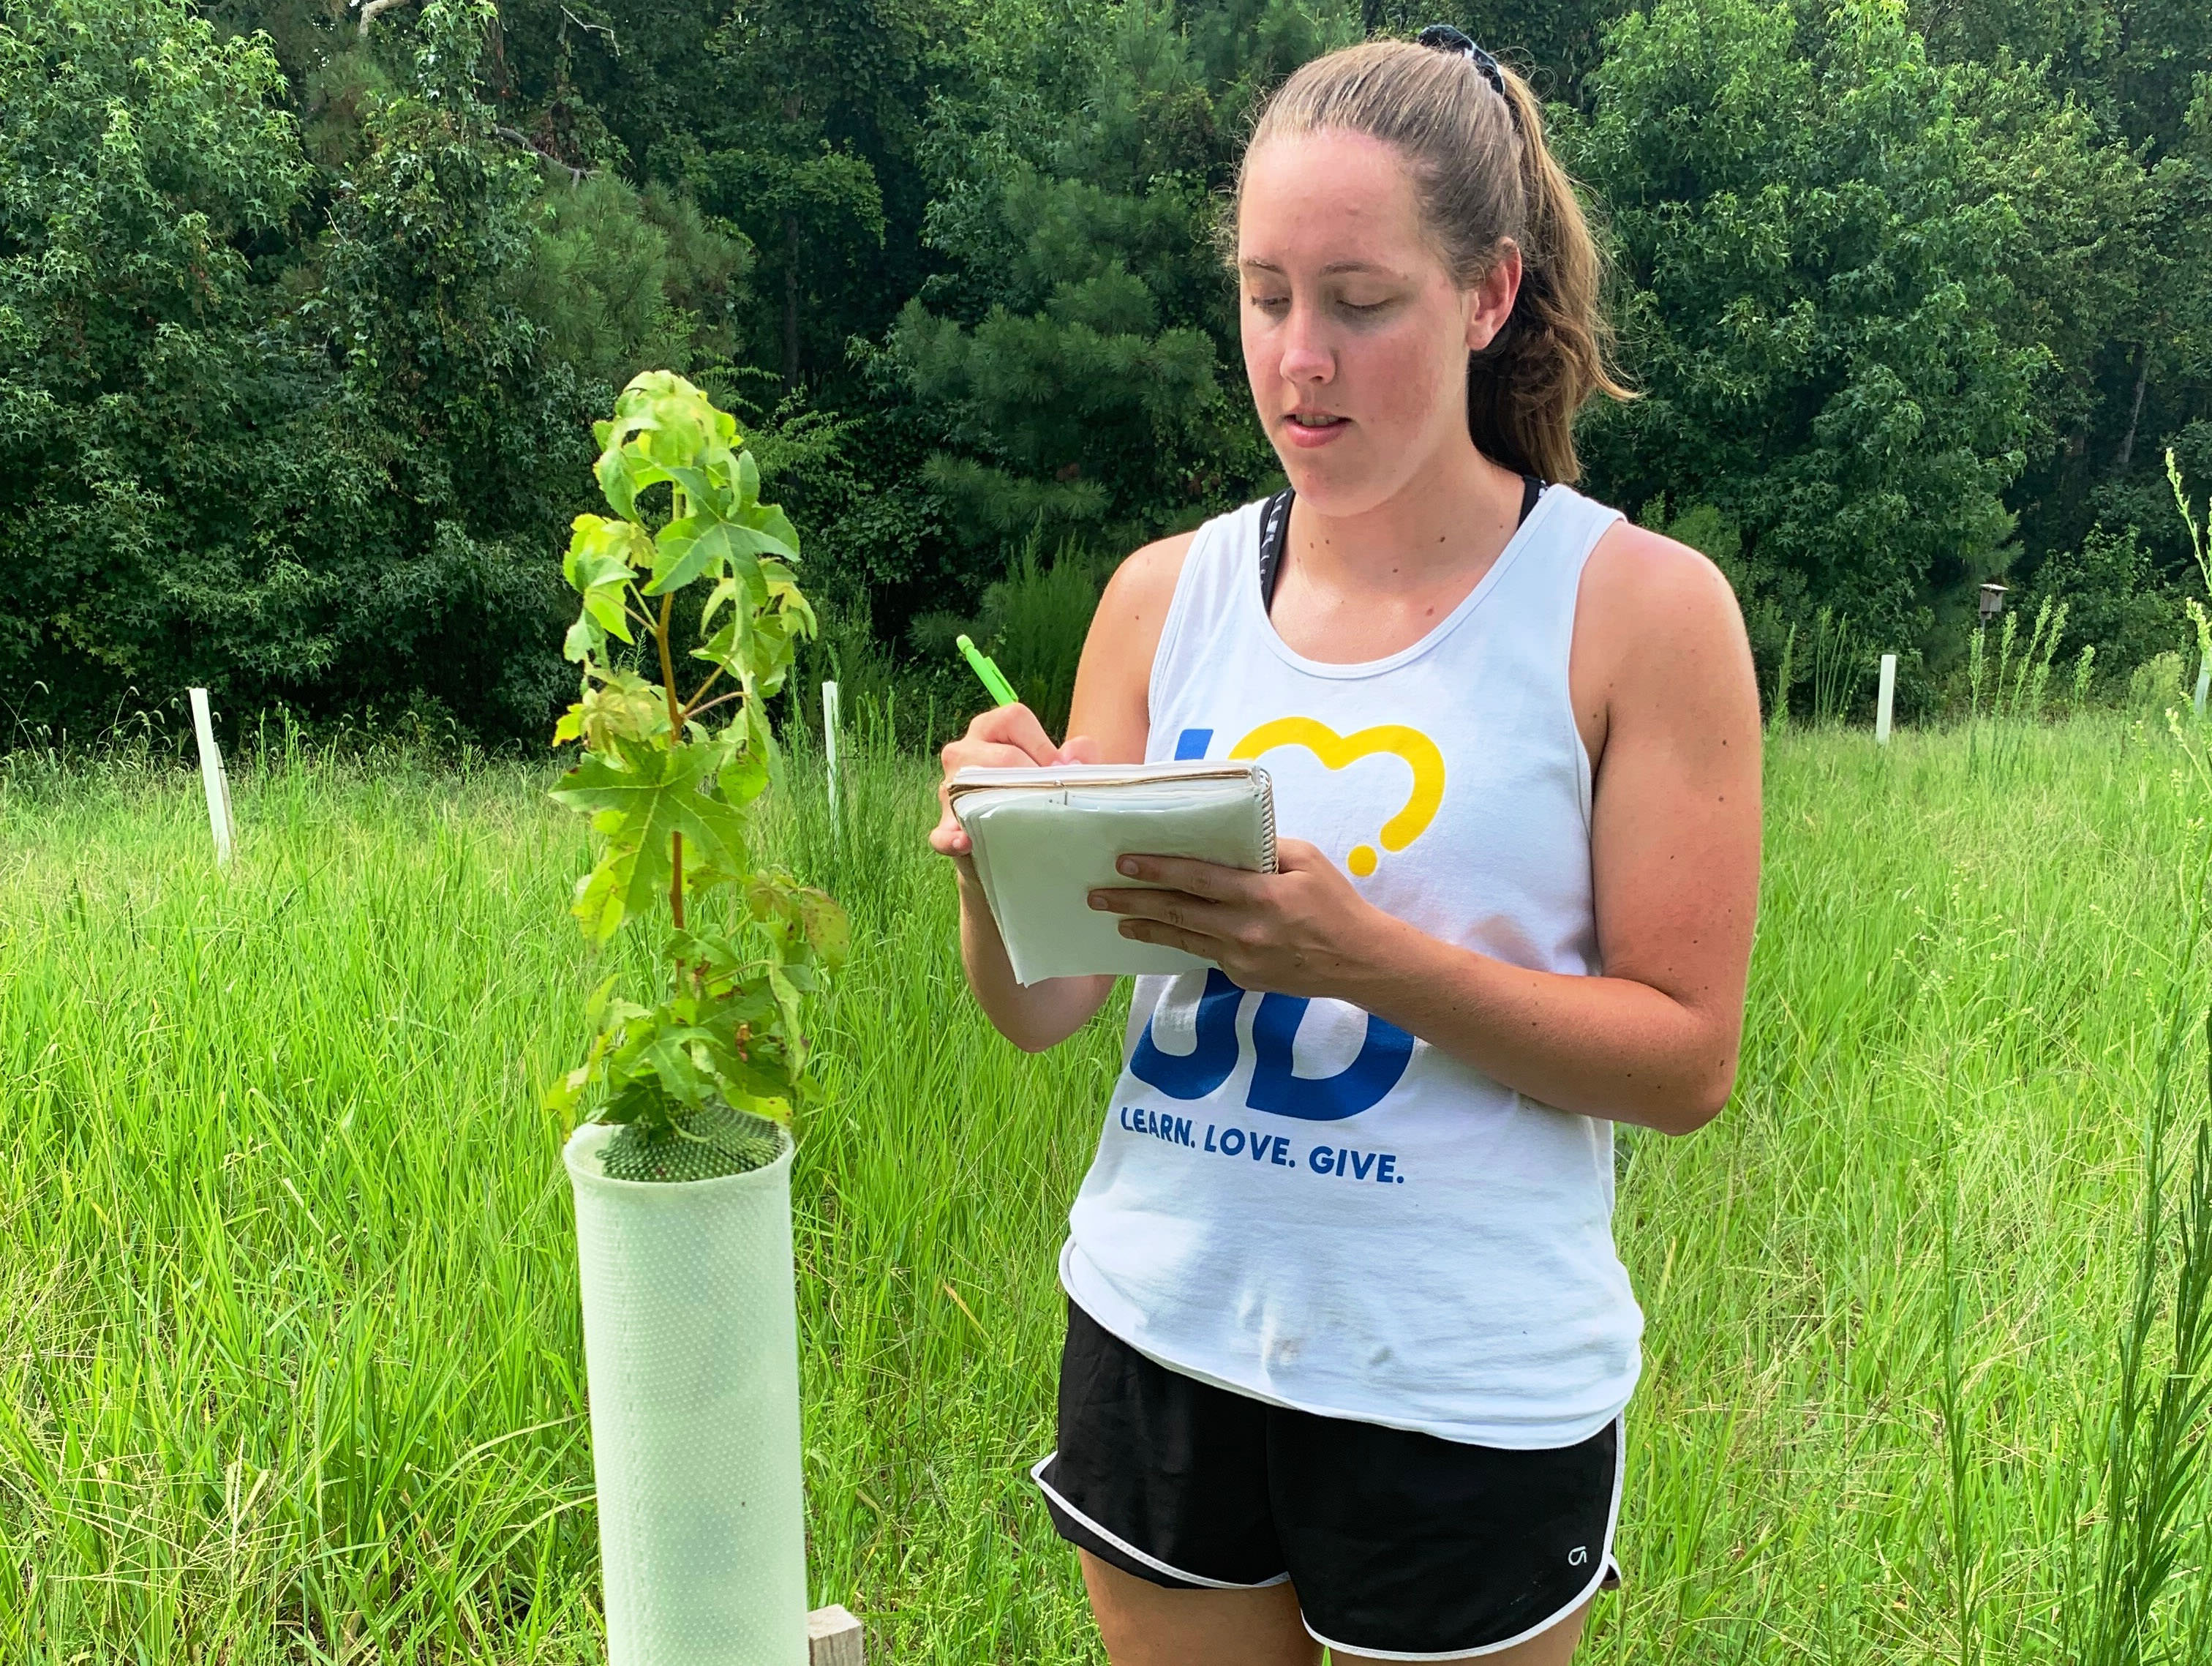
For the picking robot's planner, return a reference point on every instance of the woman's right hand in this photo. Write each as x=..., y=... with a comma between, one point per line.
x=1004, y=737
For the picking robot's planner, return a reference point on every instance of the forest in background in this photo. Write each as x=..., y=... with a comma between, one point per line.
x=306, y=306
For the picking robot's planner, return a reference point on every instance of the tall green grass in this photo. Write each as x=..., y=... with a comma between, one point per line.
x=290, y=1360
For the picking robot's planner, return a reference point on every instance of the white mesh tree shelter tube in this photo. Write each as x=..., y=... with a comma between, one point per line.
x=691, y=1342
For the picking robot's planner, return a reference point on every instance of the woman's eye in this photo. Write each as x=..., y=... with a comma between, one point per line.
x=1267, y=302
x=1356, y=306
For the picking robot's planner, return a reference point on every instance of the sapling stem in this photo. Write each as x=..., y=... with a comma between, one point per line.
x=691, y=707
x=668, y=671
x=675, y=738
x=676, y=879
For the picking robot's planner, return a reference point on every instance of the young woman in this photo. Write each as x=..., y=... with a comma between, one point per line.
x=1348, y=1342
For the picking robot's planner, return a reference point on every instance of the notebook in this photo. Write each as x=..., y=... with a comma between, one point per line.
x=1045, y=838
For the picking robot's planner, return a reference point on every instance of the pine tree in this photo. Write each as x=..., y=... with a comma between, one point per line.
x=1079, y=354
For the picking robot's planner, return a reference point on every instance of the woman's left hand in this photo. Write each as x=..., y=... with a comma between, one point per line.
x=1300, y=931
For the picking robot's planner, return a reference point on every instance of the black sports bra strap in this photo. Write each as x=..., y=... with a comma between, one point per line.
x=1275, y=526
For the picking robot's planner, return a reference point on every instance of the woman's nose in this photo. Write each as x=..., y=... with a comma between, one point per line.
x=1306, y=355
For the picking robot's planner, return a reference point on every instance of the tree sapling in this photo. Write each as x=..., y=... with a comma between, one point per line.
x=705, y=1080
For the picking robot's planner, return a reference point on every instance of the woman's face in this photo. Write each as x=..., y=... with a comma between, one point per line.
x=1356, y=336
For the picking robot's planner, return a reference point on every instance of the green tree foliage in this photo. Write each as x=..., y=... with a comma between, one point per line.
x=300, y=471
x=622, y=280
x=2114, y=599
x=142, y=163
x=2140, y=379
x=303, y=311
x=793, y=121
x=1839, y=261
x=1079, y=354
x=448, y=421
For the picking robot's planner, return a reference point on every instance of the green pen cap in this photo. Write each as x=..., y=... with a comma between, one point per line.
x=994, y=680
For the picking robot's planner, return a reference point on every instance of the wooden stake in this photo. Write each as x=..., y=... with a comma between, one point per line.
x=830, y=744
x=833, y=1637
x=217, y=784
x=1885, y=700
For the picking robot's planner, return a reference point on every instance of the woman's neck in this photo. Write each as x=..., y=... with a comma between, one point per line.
x=1450, y=521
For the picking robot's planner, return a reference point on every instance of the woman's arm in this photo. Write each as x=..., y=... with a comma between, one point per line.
x=1109, y=723
x=1664, y=692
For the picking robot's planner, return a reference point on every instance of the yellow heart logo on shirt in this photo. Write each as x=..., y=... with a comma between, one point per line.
x=1335, y=751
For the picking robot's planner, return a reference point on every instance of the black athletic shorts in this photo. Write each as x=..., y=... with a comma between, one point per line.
x=1399, y=1545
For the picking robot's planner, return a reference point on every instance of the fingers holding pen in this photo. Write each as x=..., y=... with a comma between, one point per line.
x=1016, y=727
x=1002, y=738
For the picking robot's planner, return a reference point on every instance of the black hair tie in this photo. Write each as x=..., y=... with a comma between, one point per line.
x=1443, y=38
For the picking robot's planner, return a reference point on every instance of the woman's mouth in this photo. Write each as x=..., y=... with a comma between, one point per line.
x=1314, y=428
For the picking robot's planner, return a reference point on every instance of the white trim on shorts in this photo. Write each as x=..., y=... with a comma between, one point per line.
x=1605, y=1565
x=1122, y=1545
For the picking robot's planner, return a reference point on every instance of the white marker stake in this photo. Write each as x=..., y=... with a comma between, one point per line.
x=830, y=743
x=2203, y=685
x=212, y=778
x=1885, y=700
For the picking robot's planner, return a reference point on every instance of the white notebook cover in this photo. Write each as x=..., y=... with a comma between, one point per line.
x=1045, y=839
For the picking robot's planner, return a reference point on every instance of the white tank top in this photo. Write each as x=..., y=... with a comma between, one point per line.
x=1296, y=1200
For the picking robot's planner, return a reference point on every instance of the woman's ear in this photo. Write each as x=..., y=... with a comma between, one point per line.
x=1493, y=296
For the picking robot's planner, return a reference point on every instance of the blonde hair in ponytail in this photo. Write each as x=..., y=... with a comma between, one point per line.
x=1481, y=175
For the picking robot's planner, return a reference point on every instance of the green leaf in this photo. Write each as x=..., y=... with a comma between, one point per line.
x=752, y=1074
x=642, y=796
x=745, y=777
x=669, y=1058
x=770, y=522
x=602, y=894
x=828, y=926
x=705, y=491
x=600, y=564
x=725, y=591
x=636, y=1102
x=687, y=548
x=787, y=1001
x=596, y=1005
x=618, y=704
x=622, y=474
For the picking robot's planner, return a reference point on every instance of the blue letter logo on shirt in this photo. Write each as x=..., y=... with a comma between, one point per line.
x=1360, y=1085
x=1195, y=1074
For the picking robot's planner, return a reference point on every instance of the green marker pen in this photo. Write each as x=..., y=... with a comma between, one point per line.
x=994, y=679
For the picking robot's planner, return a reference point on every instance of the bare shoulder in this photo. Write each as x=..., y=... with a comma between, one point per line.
x=1657, y=630
x=1648, y=601
x=1637, y=574
x=1143, y=586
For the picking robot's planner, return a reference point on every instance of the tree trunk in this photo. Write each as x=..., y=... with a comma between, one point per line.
x=790, y=302
x=2135, y=413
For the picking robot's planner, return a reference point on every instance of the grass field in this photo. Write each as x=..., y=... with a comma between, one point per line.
x=290, y=1358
